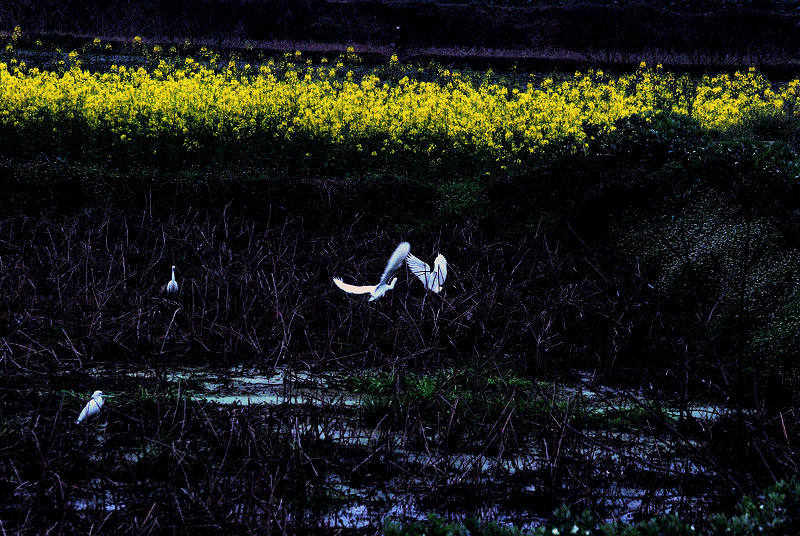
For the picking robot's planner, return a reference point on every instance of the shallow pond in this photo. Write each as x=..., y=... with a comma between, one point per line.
x=631, y=472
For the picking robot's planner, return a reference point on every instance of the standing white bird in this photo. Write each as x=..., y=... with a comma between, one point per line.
x=172, y=286
x=376, y=291
x=92, y=407
x=432, y=279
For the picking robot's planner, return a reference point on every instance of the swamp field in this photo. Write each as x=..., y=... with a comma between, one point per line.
x=613, y=351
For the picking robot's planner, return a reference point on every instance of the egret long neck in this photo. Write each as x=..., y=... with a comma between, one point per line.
x=173, y=273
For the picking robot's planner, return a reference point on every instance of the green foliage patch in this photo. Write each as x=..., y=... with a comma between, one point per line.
x=776, y=512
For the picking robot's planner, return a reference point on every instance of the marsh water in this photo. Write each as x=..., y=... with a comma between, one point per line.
x=262, y=399
x=635, y=472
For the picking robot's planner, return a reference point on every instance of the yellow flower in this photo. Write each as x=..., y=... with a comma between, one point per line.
x=190, y=107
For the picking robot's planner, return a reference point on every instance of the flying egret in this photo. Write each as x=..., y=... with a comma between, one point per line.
x=92, y=407
x=432, y=279
x=394, y=264
x=172, y=286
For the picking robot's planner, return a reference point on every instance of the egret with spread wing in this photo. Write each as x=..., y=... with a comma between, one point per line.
x=433, y=279
x=376, y=291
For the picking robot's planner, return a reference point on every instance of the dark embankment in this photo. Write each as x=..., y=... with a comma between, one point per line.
x=531, y=36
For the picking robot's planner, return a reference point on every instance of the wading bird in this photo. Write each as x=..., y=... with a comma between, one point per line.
x=172, y=286
x=432, y=279
x=92, y=407
x=376, y=291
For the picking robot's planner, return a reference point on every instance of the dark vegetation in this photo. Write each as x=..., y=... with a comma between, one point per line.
x=665, y=265
x=662, y=262
x=773, y=513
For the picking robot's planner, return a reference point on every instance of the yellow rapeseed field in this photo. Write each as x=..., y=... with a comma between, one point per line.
x=326, y=114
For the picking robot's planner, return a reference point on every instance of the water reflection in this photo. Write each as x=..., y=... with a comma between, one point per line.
x=507, y=487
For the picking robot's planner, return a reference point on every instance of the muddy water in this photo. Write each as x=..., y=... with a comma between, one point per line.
x=633, y=473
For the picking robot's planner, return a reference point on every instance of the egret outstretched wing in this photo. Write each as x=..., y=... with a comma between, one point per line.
x=419, y=268
x=395, y=262
x=384, y=285
x=440, y=269
x=433, y=279
x=353, y=289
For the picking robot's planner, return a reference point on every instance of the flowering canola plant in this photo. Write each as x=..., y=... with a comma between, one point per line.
x=185, y=111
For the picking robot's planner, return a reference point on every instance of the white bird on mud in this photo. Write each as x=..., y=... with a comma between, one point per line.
x=432, y=279
x=91, y=408
x=172, y=286
x=376, y=291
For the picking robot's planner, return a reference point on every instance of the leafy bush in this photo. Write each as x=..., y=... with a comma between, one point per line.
x=654, y=138
x=775, y=342
x=776, y=512
x=756, y=178
x=769, y=127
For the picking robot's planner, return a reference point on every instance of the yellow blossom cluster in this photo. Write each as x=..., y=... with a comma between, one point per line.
x=326, y=113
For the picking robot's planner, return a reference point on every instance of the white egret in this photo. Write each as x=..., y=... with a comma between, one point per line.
x=394, y=264
x=432, y=279
x=172, y=286
x=92, y=407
